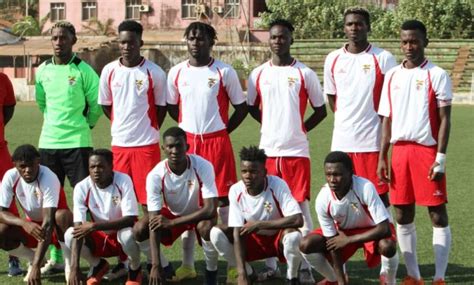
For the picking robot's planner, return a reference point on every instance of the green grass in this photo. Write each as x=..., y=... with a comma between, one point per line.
x=26, y=125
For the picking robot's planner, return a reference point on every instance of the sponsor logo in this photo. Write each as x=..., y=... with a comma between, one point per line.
x=117, y=84
x=341, y=70
x=211, y=82
x=438, y=193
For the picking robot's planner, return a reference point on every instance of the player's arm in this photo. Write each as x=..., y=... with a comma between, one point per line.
x=107, y=111
x=255, y=113
x=292, y=221
x=240, y=112
x=160, y=114
x=337, y=264
x=317, y=117
x=76, y=277
x=8, y=113
x=91, y=91
x=438, y=167
x=40, y=95
x=239, y=251
x=156, y=273
x=85, y=228
x=382, y=168
x=31, y=228
x=332, y=101
x=173, y=111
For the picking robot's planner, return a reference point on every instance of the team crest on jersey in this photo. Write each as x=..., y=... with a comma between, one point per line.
x=419, y=84
x=366, y=68
x=190, y=184
x=268, y=207
x=37, y=194
x=211, y=82
x=139, y=84
x=354, y=207
x=71, y=80
x=116, y=200
x=292, y=81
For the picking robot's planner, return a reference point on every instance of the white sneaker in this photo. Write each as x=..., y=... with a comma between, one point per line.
x=25, y=279
x=120, y=270
x=306, y=277
x=51, y=267
x=268, y=273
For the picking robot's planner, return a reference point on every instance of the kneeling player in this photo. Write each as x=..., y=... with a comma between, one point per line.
x=352, y=216
x=181, y=196
x=109, y=198
x=263, y=220
x=39, y=193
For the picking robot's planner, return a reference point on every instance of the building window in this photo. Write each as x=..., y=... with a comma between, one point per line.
x=89, y=10
x=259, y=7
x=58, y=12
x=232, y=8
x=132, y=9
x=188, y=9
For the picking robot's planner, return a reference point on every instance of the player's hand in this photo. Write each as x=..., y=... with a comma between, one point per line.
x=337, y=242
x=76, y=277
x=382, y=171
x=250, y=227
x=83, y=230
x=160, y=222
x=433, y=175
x=243, y=280
x=157, y=276
x=34, y=230
x=34, y=278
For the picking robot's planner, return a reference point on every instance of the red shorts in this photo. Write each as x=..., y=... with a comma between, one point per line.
x=296, y=171
x=5, y=160
x=216, y=148
x=260, y=246
x=410, y=184
x=106, y=245
x=137, y=162
x=372, y=257
x=176, y=231
x=365, y=165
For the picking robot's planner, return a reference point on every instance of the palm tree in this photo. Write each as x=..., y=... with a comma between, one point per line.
x=99, y=28
x=29, y=26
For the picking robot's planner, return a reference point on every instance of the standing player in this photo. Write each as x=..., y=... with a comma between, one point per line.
x=66, y=93
x=47, y=216
x=416, y=105
x=353, y=79
x=108, y=197
x=199, y=91
x=7, y=107
x=352, y=216
x=182, y=195
x=133, y=96
x=263, y=220
x=278, y=93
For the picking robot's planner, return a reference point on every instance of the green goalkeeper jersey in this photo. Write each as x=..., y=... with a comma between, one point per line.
x=67, y=96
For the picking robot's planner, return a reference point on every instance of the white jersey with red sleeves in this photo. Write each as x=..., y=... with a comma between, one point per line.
x=203, y=95
x=273, y=203
x=356, y=80
x=32, y=197
x=181, y=194
x=360, y=208
x=411, y=98
x=133, y=93
x=282, y=93
x=114, y=202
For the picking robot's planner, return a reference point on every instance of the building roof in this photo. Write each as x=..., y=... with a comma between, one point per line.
x=42, y=45
x=7, y=38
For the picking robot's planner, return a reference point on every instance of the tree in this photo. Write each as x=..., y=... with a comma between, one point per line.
x=99, y=28
x=29, y=26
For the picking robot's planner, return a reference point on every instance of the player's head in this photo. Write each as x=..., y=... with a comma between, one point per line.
x=200, y=38
x=175, y=145
x=63, y=37
x=338, y=170
x=101, y=167
x=413, y=40
x=27, y=160
x=252, y=167
x=130, y=39
x=356, y=24
x=281, y=37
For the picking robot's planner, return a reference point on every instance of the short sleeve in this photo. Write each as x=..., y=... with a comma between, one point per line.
x=329, y=83
x=252, y=87
x=376, y=208
x=233, y=87
x=288, y=204
x=6, y=89
x=50, y=187
x=79, y=197
x=205, y=172
x=105, y=96
x=384, y=106
x=313, y=87
x=326, y=222
x=129, y=202
x=6, y=195
x=236, y=219
x=387, y=62
x=153, y=190
x=443, y=88
x=40, y=95
x=159, y=88
x=172, y=94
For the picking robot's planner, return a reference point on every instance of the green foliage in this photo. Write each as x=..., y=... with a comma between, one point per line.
x=28, y=26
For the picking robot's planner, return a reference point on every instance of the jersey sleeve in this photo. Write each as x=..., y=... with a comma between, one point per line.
x=252, y=87
x=326, y=222
x=80, y=207
x=153, y=190
x=443, y=89
x=376, y=208
x=160, y=89
x=7, y=195
x=387, y=62
x=313, y=87
x=7, y=91
x=206, y=173
x=236, y=218
x=233, y=87
x=329, y=83
x=40, y=96
x=288, y=204
x=91, y=91
x=50, y=187
x=105, y=95
x=129, y=202
x=384, y=105
x=172, y=94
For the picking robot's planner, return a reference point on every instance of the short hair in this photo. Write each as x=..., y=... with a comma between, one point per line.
x=340, y=157
x=358, y=11
x=175, y=132
x=65, y=25
x=414, y=25
x=26, y=153
x=253, y=153
x=206, y=29
x=282, y=22
x=105, y=153
x=131, y=26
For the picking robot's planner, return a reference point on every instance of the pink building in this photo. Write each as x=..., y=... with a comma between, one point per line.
x=157, y=14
